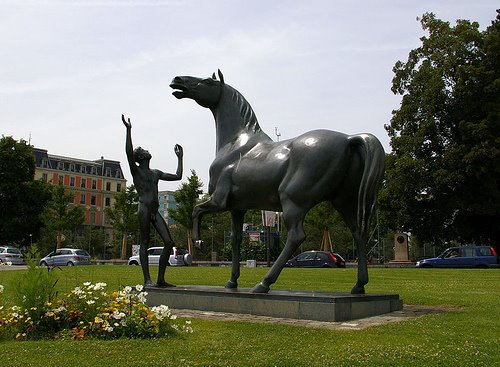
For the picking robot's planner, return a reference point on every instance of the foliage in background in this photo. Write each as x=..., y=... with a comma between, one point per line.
x=321, y=216
x=123, y=217
x=21, y=198
x=248, y=250
x=186, y=197
x=61, y=213
x=442, y=176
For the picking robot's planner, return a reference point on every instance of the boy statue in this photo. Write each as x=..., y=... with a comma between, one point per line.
x=146, y=183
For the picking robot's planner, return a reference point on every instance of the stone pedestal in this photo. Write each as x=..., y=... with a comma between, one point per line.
x=401, y=255
x=306, y=305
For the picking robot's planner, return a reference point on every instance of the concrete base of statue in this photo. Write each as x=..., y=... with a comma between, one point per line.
x=305, y=305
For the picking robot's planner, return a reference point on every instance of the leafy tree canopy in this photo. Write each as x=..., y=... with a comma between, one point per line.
x=186, y=197
x=123, y=216
x=21, y=198
x=442, y=177
x=60, y=213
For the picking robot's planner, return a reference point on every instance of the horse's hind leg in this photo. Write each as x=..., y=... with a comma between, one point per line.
x=237, y=217
x=359, y=287
x=293, y=217
x=349, y=213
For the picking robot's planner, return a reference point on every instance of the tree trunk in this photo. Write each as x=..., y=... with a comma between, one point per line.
x=58, y=240
x=123, y=255
x=190, y=241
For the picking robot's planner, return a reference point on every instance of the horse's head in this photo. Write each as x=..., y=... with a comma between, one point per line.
x=206, y=92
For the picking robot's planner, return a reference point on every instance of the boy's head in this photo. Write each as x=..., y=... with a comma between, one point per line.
x=141, y=154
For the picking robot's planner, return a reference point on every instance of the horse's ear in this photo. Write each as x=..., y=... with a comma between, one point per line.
x=221, y=77
x=213, y=76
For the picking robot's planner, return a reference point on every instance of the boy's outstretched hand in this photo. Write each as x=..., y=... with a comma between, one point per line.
x=127, y=122
x=178, y=150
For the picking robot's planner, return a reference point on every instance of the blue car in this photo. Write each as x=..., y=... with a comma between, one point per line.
x=463, y=257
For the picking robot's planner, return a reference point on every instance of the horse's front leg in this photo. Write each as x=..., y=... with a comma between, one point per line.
x=237, y=217
x=216, y=203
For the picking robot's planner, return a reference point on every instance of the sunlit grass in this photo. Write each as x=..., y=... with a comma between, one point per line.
x=468, y=337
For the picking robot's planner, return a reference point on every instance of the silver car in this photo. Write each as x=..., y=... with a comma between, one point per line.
x=178, y=257
x=11, y=255
x=66, y=256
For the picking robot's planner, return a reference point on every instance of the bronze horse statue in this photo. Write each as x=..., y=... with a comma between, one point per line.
x=251, y=171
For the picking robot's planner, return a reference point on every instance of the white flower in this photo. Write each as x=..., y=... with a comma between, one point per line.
x=87, y=284
x=142, y=297
x=109, y=329
x=9, y=263
x=161, y=312
x=139, y=288
x=90, y=302
x=118, y=315
x=1, y=288
x=127, y=289
x=98, y=286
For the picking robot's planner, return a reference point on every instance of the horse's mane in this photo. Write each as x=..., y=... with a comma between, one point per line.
x=246, y=111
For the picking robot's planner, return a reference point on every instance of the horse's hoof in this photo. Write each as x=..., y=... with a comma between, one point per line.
x=231, y=285
x=149, y=283
x=357, y=289
x=260, y=288
x=164, y=284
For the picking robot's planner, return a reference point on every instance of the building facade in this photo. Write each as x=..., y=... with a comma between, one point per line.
x=94, y=183
x=167, y=201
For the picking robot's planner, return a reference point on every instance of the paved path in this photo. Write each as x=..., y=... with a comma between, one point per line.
x=12, y=267
x=408, y=312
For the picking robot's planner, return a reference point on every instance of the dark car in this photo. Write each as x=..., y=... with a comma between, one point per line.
x=316, y=259
x=463, y=257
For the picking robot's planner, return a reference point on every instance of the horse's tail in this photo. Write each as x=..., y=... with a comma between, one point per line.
x=373, y=160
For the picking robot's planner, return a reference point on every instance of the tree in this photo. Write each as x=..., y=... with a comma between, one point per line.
x=321, y=216
x=123, y=216
x=442, y=176
x=186, y=197
x=61, y=213
x=21, y=198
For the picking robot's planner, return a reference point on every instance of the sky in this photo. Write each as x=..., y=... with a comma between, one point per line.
x=69, y=69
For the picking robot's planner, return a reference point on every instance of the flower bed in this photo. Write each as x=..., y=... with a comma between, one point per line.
x=90, y=311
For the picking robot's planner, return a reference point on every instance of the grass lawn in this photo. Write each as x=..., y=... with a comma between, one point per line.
x=468, y=337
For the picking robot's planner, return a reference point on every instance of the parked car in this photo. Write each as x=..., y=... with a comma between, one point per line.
x=66, y=256
x=13, y=255
x=463, y=257
x=316, y=259
x=178, y=257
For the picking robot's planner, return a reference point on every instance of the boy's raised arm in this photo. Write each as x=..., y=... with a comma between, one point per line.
x=178, y=175
x=128, y=145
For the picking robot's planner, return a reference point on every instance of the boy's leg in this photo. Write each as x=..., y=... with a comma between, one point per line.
x=162, y=229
